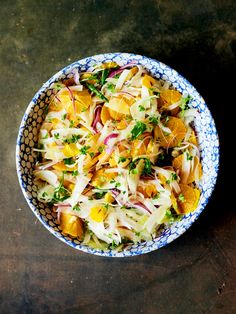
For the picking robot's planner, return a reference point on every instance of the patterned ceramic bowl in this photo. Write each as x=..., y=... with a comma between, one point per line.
x=33, y=117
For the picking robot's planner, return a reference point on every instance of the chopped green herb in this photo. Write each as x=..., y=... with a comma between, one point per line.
x=60, y=194
x=113, y=181
x=71, y=124
x=138, y=129
x=181, y=198
x=167, y=181
x=64, y=116
x=111, y=87
x=100, y=149
x=118, y=184
x=156, y=196
x=154, y=120
x=189, y=157
x=104, y=76
x=56, y=135
x=68, y=161
x=75, y=173
x=97, y=92
x=72, y=139
x=99, y=195
x=92, y=154
x=77, y=208
x=184, y=103
x=106, y=205
x=46, y=136
x=44, y=194
x=147, y=166
x=113, y=245
x=122, y=159
x=116, y=76
x=147, y=169
x=167, y=118
x=84, y=109
x=141, y=108
x=174, y=176
x=84, y=150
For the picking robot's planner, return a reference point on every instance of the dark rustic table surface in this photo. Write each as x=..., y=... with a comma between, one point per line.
x=40, y=274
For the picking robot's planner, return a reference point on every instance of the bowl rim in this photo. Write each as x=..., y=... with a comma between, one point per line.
x=87, y=249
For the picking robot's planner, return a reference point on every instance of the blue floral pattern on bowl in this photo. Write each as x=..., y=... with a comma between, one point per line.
x=34, y=115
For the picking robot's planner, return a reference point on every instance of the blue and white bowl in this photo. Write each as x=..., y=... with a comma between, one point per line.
x=34, y=115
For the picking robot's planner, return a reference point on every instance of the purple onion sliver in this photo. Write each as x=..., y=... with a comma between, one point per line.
x=110, y=136
x=122, y=68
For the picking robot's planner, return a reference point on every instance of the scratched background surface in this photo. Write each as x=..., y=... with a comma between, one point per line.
x=40, y=274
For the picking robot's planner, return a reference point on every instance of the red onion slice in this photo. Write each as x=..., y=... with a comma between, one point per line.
x=97, y=117
x=110, y=136
x=112, y=74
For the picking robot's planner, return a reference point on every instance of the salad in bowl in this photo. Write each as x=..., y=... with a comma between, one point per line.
x=118, y=160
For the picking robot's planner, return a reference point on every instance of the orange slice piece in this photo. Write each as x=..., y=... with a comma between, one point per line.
x=188, y=199
x=71, y=225
x=197, y=168
x=178, y=131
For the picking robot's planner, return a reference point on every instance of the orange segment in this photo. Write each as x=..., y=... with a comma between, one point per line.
x=148, y=81
x=148, y=191
x=82, y=101
x=105, y=114
x=119, y=107
x=71, y=225
x=193, y=139
x=100, y=177
x=139, y=147
x=178, y=131
x=169, y=97
x=98, y=213
x=188, y=199
x=121, y=125
x=197, y=168
x=70, y=150
x=60, y=166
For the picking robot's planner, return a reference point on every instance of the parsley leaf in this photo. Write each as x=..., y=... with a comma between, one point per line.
x=84, y=150
x=181, y=198
x=77, y=208
x=174, y=176
x=75, y=173
x=189, y=157
x=56, y=135
x=100, y=149
x=60, y=194
x=72, y=139
x=138, y=129
x=68, y=161
x=111, y=87
x=64, y=116
x=71, y=124
x=122, y=159
x=99, y=195
x=184, y=103
x=154, y=120
x=141, y=108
